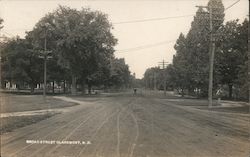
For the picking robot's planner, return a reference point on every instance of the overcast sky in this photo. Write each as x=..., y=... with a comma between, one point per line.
x=146, y=37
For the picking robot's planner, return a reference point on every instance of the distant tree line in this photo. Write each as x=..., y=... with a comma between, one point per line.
x=189, y=71
x=79, y=48
x=1, y=21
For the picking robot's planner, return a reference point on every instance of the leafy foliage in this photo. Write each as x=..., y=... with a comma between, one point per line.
x=190, y=64
x=20, y=63
x=231, y=57
x=1, y=21
x=81, y=43
x=190, y=67
x=83, y=40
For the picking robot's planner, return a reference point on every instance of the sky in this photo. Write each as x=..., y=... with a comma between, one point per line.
x=142, y=44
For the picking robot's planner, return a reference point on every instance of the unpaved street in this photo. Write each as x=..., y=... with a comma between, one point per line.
x=132, y=126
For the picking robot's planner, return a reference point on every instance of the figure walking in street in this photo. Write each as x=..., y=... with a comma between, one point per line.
x=219, y=95
x=135, y=91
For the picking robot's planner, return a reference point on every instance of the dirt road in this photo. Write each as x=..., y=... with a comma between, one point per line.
x=131, y=126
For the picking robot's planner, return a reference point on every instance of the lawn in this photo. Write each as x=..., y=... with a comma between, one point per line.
x=19, y=103
x=9, y=124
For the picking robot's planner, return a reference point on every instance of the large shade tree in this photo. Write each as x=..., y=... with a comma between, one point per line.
x=182, y=71
x=190, y=63
x=20, y=63
x=120, y=74
x=1, y=21
x=82, y=39
x=231, y=57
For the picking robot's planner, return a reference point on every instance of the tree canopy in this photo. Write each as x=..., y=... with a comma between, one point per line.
x=82, y=47
x=1, y=22
x=190, y=66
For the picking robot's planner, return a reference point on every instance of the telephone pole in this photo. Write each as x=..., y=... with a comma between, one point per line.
x=155, y=81
x=211, y=59
x=211, y=52
x=249, y=59
x=45, y=66
x=45, y=55
x=2, y=41
x=163, y=66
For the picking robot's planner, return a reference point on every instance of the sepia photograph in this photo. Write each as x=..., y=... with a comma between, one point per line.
x=124, y=78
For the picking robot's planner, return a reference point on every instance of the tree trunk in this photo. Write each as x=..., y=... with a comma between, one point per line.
x=10, y=83
x=64, y=86
x=89, y=88
x=32, y=88
x=230, y=86
x=73, y=86
x=53, y=87
x=83, y=87
x=182, y=92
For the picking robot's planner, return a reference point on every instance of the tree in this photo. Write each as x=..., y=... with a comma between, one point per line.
x=120, y=74
x=1, y=47
x=181, y=65
x=190, y=64
x=1, y=21
x=197, y=56
x=232, y=54
x=20, y=63
x=153, y=78
x=243, y=76
x=56, y=73
x=44, y=35
x=217, y=12
x=84, y=41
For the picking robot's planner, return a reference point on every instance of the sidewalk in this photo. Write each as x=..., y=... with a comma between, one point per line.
x=227, y=103
x=31, y=113
x=41, y=112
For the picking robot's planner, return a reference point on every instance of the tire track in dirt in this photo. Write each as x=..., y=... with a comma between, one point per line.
x=118, y=135
x=147, y=111
x=29, y=132
x=100, y=148
x=136, y=137
x=97, y=148
x=54, y=131
x=185, y=127
x=96, y=131
x=122, y=108
x=211, y=117
x=118, y=128
x=171, y=131
x=94, y=114
x=34, y=131
x=130, y=107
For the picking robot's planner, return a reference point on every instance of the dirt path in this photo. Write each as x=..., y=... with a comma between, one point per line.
x=42, y=112
x=132, y=127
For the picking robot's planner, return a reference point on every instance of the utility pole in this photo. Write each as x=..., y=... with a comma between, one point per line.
x=45, y=55
x=249, y=58
x=154, y=80
x=211, y=53
x=164, y=64
x=2, y=40
x=45, y=66
x=211, y=59
x=0, y=72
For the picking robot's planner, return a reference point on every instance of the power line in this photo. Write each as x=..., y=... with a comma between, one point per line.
x=146, y=20
x=165, y=18
x=8, y=34
x=232, y=5
x=145, y=46
x=152, y=19
x=18, y=29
